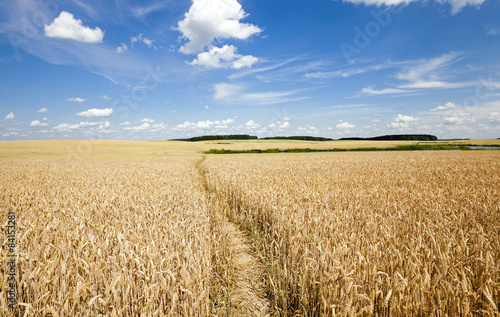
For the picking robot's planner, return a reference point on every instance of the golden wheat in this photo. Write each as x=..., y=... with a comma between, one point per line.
x=371, y=234
x=121, y=237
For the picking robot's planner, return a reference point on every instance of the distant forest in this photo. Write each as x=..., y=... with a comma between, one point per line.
x=399, y=137
x=298, y=137
x=393, y=137
x=219, y=137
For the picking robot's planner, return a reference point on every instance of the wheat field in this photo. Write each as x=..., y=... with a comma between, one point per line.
x=371, y=234
x=104, y=237
x=139, y=229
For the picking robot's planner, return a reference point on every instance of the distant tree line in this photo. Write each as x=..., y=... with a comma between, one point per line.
x=393, y=137
x=399, y=137
x=220, y=137
x=298, y=137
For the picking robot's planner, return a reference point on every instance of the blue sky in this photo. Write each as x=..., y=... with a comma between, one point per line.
x=74, y=69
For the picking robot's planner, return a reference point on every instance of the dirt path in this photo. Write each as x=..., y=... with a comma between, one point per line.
x=248, y=295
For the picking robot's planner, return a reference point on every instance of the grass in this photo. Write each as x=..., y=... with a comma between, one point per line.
x=361, y=149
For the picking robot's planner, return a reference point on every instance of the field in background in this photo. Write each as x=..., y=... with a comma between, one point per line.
x=75, y=149
x=127, y=227
x=363, y=234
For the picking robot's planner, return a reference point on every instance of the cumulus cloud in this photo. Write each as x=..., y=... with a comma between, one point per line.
x=280, y=125
x=402, y=121
x=36, y=123
x=79, y=100
x=345, y=126
x=84, y=124
x=94, y=113
x=213, y=19
x=494, y=116
x=460, y=118
x=204, y=125
x=148, y=120
x=250, y=124
x=10, y=116
x=225, y=56
x=65, y=26
x=106, y=97
x=142, y=127
x=125, y=123
x=43, y=110
x=447, y=106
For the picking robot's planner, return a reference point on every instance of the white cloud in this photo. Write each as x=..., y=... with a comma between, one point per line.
x=233, y=93
x=65, y=26
x=402, y=121
x=125, y=123
x=252, y=125
x=94, y=113
x=79, y=100
x=36, y=123
x=280, y=125
x=106, y=97
x=205, y=125
x=447, y=106
x=148, y=120
x=426, y=73
x=225, y=91
x=494, y=116
x=142, y=127
x=492, y=30
x=456, y=5
x=43, y=110
x=141, y=39
x=84, y=124
x=45, y=119
x=122, y=48
x=370, y=91
x=345, y=125
x=104, y=125
x=223, y=57
x=10, y=116
x=403, y=118
x=207, y=107
x=460, y=118
x=380, y=2
x=213, y=19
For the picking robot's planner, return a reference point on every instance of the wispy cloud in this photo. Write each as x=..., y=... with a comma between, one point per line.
x=456, y=5
x=348, y=72
x=232, y=93
x=385, y=91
